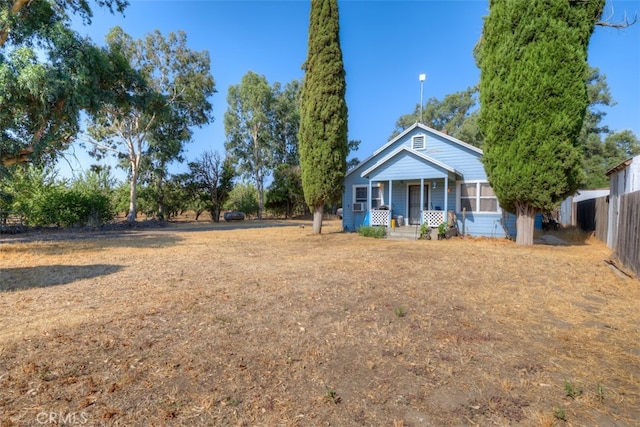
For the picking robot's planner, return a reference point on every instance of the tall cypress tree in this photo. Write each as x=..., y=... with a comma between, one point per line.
x=323, y=145
x=533, y=96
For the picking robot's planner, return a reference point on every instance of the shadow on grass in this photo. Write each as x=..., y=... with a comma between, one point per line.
x=238, y=225
x=570, y=236
x=60, y=242
x=21, y=278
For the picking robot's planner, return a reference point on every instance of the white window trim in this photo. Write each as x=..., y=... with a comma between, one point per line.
x=477, y=182
x=424, y=142
x=366, y=186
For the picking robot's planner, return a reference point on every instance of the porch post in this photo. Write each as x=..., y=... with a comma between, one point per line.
x=421, y=200
x=446, y=198
x=369, y=201
x=389, y=204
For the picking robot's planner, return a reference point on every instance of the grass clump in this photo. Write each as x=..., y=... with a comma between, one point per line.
x=571, y=390
x=600, y=392
x=559, y=414
x=331, y=395
x=375, y=232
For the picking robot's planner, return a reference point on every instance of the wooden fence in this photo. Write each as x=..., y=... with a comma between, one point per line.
x=628, y=243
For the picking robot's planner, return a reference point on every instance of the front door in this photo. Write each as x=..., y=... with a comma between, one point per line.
x=414, y=203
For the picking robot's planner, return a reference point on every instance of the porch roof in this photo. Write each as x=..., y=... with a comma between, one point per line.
x=404, y=150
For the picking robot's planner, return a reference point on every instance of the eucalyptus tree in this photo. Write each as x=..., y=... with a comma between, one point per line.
x=48, y=74
x=286, y=122
x=24, y=21
x=533, y=92
x=456, y=115
x=153, y=110
x=447, y=115
x=323, y=112
x=249, y=128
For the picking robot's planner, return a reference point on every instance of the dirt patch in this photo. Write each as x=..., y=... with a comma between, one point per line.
x=267, y=324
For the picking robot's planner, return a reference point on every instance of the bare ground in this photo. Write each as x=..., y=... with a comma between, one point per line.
x=267, y=324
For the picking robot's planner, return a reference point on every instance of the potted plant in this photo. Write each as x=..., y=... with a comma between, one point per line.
x=425, y=232
x=442, y=230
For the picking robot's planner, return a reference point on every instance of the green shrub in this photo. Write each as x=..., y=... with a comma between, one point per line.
x=425, y=231
x=375, y=232
x=442, y=228
x=65, y=207
x=43, y=200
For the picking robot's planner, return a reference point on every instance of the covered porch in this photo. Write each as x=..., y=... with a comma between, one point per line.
x=412, y=188
x=409, y=202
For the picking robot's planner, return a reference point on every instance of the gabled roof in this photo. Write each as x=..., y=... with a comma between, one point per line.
x=402, y=148
x=407, y=131
x=428, y=129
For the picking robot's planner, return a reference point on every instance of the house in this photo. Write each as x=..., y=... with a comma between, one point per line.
x=623, y=178
x=424, y=176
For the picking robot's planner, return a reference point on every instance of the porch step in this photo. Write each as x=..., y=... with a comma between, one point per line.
x=407, y=232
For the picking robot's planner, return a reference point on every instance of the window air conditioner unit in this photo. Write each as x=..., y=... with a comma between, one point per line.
x=358, y=207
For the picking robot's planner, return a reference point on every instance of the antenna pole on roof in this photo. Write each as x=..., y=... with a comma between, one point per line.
x=422, y=77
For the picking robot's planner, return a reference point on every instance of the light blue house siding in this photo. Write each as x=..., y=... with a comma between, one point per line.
x=423, y=175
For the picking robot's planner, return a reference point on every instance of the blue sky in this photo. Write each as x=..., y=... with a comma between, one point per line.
x=386, y=45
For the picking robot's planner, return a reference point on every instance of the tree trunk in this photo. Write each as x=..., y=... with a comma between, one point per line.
x=132, y=201
x=317, y=219
x=133, y=193
x=162, y=209
x=525, y=224
x=260, y=197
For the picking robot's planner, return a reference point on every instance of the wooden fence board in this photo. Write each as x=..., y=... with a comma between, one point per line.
x=602, y=218
x=628, y=243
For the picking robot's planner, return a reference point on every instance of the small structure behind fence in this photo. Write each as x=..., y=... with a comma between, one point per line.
x=593, y=215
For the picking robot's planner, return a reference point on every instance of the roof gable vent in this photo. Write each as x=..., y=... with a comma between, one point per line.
x=417, y=142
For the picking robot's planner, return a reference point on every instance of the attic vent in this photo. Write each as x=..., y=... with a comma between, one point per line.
x=418, y=142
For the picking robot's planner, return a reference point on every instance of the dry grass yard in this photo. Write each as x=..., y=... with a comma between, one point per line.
x=196, y=324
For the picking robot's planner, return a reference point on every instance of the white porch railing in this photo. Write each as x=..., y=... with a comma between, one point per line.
x=380, y=217
x=433, y=218
x=383, y=216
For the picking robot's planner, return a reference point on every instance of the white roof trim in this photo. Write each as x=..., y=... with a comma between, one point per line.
x=405, y=132
x=415, y=153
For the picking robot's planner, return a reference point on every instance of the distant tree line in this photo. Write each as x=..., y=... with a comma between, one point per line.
x=142, y=98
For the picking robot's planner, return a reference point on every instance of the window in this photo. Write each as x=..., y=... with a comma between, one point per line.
x=417, y=142
x=478, y=197
x=376, y=197
x=360, y=193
